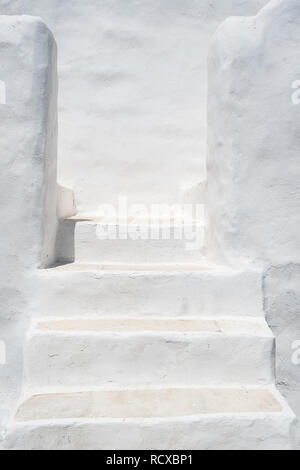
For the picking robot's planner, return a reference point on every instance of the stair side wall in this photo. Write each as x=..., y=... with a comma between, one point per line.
x=253, y=137
x=253, y=188
x=282, y=305
x=28, y=136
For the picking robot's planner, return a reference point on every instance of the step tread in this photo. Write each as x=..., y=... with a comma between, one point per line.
x=257, y=327
x=147, y=403
x=142, y=267
x=132, y=220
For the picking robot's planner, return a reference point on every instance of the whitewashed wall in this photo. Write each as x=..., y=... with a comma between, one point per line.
x=253, y=137
x=132, y=102
x=254, y=164
x=28, y=121
x=282, y=305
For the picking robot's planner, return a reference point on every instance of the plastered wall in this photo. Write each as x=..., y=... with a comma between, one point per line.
x=132, y=99
x=253, y=137
x=253, y=190
x=28, y=116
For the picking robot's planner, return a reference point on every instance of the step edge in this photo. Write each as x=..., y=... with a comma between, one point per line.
x=161, y=268
x=263, y=330
x=285, y=410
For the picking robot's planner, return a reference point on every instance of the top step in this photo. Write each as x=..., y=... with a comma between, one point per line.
x=98, y=240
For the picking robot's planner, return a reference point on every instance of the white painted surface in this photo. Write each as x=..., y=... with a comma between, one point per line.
x=253, y=158
x=66, y=206
x=140, y=243
x=219, y=419
x=146, y=290
x=139, y=352
x=253, y=163
x=68, y=353
x=253, y=152
x=27, y=179
x=282, y=303
x=132, y=104
x=146, y=403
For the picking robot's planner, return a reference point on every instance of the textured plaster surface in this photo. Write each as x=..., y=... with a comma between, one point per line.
x=132, y=101
x=156, y=324
x=264, y=428
x=253, y=137
x=132, y=86
x=147, y=290
x=282, y=303
x=253, y=164
x=27, y=179
x=147, y=403
x=141, y=353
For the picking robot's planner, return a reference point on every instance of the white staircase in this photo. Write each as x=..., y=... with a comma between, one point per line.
x=139, y=345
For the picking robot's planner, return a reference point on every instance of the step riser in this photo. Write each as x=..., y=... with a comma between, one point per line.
x=223, y=432
x=145, y=359
x=89, y=248
x=154, y=293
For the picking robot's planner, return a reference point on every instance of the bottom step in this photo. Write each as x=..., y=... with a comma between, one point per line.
x=173, y=418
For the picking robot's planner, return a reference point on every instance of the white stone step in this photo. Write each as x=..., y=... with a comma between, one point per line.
x=159, y=419
x=150, y=289
x=143, y=352
x=89, y=247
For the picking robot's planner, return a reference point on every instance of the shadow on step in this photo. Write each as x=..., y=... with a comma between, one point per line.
x=65, y=243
